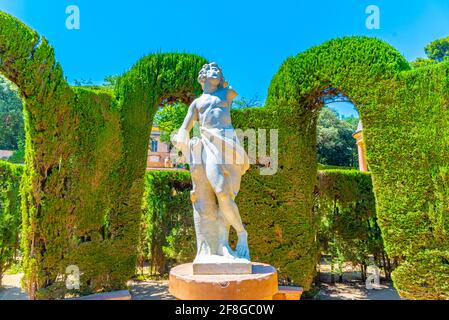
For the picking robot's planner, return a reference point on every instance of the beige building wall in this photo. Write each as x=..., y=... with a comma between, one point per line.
x=158, y=151
x=358, y=136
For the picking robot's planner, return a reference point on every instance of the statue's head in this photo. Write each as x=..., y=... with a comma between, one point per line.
x=212, y=73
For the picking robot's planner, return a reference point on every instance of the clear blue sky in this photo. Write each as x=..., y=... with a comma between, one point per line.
x=249, y=39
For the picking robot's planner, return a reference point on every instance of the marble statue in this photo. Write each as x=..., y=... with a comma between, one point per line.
x=217, y=162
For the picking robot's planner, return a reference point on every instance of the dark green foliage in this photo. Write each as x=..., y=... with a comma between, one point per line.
x=348, y=222
x=170, y=118
x=438, y=50
x=403, y=112
x=11, y=117
x=10, y=214
x=167, y=235
x=82, y=185
x=336, y=145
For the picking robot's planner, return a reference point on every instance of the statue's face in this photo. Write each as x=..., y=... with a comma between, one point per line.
x=213, y=75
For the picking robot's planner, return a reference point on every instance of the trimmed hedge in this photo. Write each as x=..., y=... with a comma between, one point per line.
x=168, y=235
x=345, y=206
x=82, y=184
x=402, y=111
x=347, y=210
x=10, y=214
x=409, y=157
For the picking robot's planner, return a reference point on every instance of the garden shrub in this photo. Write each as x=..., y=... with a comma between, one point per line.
x=82, y=184
x=10, y=214
x=403, y=112
x=168, y=235
x=348, y=223
x=409, y=167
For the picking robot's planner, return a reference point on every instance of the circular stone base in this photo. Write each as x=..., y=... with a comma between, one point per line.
x=262, y=284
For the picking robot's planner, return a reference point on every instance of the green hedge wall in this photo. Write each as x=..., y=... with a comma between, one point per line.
x=345, y=207
x=408, y=155
x=167, y=234
x=403, y=112
x=149, y=84
x=348, y=223
x=10, y=214
x=85, y=161
x=277, y=209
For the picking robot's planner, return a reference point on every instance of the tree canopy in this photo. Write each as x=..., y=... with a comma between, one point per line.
x=170, y=118
x=11, y=116
x=335, y=143
x=436, y=51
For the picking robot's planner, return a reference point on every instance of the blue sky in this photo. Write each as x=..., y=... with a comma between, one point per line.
x=249, y=39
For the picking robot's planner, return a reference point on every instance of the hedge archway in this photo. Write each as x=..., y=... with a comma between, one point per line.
x=85, y=160
x=403, y=112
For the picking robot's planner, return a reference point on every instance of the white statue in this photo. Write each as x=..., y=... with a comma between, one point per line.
x=217, y=163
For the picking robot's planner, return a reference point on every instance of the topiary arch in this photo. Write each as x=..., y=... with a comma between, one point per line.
x=86, y=158
x=404, y=113
x=87, y=147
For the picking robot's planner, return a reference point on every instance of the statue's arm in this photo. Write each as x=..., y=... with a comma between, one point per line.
x=231, y=95
x=181, y=140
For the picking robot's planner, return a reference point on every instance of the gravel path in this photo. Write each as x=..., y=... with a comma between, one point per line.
x=149, y=290
x=357, y=291
x=10, y=289
x=158, y=290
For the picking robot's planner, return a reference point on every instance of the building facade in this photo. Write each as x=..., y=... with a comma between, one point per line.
x=158, y=151
x=358, y=136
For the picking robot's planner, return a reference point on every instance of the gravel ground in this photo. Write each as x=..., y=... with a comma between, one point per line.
x=10, y=289
x=158, y=290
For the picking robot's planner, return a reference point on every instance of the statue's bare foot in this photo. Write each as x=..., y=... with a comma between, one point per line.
x=242, y=248
x=228, y=252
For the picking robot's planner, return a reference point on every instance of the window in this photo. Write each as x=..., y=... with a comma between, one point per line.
x=153, y=146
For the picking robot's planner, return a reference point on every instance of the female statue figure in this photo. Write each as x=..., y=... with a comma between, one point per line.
x=217, y=163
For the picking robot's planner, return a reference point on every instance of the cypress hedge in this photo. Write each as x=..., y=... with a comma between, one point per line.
x=348, y=223
x=167, y=234
x=345, y=207
x=86, y=153
x=402, y=111
x=10, y=214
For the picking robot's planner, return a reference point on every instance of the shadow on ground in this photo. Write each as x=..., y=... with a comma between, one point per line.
x=149, y=290
x=357, y=291
x=10, y=289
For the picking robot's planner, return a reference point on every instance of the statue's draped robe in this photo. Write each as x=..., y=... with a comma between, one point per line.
x=217, y=162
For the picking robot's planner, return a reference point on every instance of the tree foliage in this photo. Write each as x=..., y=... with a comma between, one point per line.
x=335, y=142
x=10, y=214
x=12, y=131
x=169, y=118
x=438, y=50
x=244, y=102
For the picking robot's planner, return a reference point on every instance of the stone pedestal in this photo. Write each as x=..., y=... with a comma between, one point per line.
x=261, y=284
x=217, y=265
